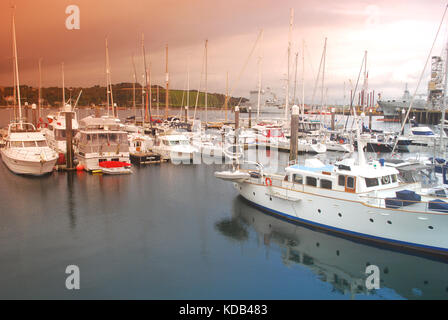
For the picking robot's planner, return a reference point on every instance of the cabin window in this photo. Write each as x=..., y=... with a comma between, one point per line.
x=102, y=138
x=311, y=181
x=41, y=143
x=326, y=184
x=385, y=180
x=29, y=144
x=394, y=178
x=166, y=143
x=371, y=182
x=350, y=183
x=297, y=178
x=113, y=137
x=341, y=180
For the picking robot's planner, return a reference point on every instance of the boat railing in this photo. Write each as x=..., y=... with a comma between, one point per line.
x=435, y=206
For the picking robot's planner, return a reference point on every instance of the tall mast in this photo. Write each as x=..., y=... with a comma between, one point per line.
x=303, y=77
x=295, y=80
x=206, y=49
x=16, y=65
x=260, y=63
x=188, y=82
x=226, y=101
x=133, y=88
x=442, y=124
x=167, y=81
x=39, y=99
x=63, y=85
x=289, y=58
x=107, y=80
x=146, y=77
x=323, y=75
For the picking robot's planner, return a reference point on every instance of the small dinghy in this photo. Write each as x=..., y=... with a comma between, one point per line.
x=115, y=167
x=236, y=176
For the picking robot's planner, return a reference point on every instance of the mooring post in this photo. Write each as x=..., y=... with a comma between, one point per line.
x=250, y=117
x=293, y=142
x=69, y=139
x=333, y=115
x=34, y=114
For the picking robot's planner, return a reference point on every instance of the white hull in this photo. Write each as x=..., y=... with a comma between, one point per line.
x=91, y=162
x=351, y=216
x=37, y=167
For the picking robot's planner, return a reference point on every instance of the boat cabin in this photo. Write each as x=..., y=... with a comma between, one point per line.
x=344, y=177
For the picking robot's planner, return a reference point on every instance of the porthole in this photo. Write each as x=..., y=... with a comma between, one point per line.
x=253, y=193
x=337, y=253
x=318, y=210
x=340, y=215
x=430, y=227
x=270, y=198
x=371, y=220
x=317, y=244
x=389, y=222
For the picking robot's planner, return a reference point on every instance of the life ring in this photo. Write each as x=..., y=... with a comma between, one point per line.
x=268, y=181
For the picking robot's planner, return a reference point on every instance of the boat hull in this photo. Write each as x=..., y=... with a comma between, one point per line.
x=415, y=231
x=24, y=167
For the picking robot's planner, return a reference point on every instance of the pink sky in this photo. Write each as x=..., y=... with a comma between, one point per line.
x=396, y=33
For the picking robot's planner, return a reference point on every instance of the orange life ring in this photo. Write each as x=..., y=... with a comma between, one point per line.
x=268, y=181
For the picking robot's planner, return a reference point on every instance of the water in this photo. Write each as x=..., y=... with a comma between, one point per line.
x=176, y=232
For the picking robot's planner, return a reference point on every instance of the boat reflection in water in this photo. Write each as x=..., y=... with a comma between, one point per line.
x=339, y=261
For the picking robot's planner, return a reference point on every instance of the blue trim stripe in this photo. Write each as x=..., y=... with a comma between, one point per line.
x=353, y=233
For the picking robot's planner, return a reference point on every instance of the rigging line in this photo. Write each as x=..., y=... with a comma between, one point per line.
x=246, y=63
x=420, y=79
x=354, y=93
x=200, y=82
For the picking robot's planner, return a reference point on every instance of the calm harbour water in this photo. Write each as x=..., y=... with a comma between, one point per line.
x=176, y=232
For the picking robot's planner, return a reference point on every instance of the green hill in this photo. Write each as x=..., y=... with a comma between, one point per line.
x=122, y=93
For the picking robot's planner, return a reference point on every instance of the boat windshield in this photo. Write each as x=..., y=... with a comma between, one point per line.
x=179, y=142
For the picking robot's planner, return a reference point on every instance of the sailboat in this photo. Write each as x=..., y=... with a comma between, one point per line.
x=26, y=151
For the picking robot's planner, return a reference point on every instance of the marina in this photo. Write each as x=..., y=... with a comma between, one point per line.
x=163, y=190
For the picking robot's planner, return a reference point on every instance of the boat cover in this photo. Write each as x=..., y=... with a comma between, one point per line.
x=114, y=164
x=438, y=205
x=408, y=195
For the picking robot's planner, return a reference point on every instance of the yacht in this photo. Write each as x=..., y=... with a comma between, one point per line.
x=174, y=147
x=26, y=151
x=102, y=140
x=361, y=200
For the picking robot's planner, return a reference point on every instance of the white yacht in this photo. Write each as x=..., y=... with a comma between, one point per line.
x=102, y=140
x=26, y=151
x=174, y=147
x=362, y=200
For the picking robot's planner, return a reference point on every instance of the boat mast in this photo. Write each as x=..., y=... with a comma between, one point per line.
x=16, y=67
x=442, y=124
x=206, y=71
x=260, y=63
x=63, y=85
x=289, y=58
x=39, y=99
x=146, y=77
x=323, y=76
x=303, y=78
x=295, y=79
x=167, y=81
x=133, y=90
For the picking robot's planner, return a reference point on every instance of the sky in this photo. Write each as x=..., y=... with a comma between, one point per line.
x=397, y=35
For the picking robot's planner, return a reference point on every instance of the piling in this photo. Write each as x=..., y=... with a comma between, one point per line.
x=370, y=118
x=293, y=142
x=69, y=140
x=186, y=114
x=250, y=117
x=403, y=117
x=34, y=113
x=333, y=114
x=237, y=125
